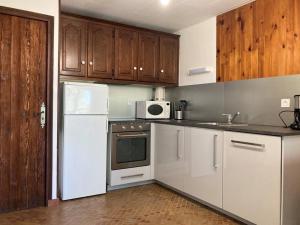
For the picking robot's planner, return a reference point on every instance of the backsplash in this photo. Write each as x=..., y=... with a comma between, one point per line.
x=122, y=99
x=258, y=100
x=205, y=102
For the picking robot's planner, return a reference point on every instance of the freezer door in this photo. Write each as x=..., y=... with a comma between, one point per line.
x=83, y=157
x=85, y=98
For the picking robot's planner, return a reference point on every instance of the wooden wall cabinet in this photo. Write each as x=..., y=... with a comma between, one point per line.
x=114, y=53
x=100, y=51
x=148, y=57
x=168, y=59
x=126, y=54
x=73, y=36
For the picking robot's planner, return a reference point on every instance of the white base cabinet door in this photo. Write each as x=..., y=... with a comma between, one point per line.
x=252, y=177
x=170, y=167
x=204, y=151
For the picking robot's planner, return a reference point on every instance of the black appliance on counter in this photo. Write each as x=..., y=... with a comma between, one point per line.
x=296, y=124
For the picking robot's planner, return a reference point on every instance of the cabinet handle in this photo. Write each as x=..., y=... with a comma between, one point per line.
x=178, y=145
x=132, y=176
x=91, y=63
x=141, y=68
x=215, y=159
x=83, y=62
x=250, y=144
x=135, y=68
x=162, y=71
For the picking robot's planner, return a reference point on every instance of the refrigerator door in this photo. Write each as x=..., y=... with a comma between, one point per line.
x=85, y=98
x=83, y=159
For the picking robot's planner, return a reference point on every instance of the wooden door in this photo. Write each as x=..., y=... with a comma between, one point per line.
x=148, y=57
x=126, y=53
x=23, y=89
x=168, y=60
x=73, y=49
x=101, y=51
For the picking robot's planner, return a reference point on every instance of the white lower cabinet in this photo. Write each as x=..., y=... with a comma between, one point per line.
x=204, y=150
x=238, y=172
x=170, y=164
x=252, y=177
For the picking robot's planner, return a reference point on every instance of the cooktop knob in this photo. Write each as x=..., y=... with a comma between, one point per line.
x=123, y=127
x=132, y=127
x=140, y=126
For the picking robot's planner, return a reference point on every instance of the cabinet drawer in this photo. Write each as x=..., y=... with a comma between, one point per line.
x=131, y=175
x=252, y=177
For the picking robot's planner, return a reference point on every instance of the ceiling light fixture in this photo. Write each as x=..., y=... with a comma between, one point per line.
x=165, y=2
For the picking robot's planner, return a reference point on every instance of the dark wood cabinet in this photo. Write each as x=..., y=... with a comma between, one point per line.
x=73, y=48
x=168, y=60
x=148, y=57
x=100, y=51
x=126, y=54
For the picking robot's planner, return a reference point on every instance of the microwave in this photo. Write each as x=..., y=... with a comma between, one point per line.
x=153, y=109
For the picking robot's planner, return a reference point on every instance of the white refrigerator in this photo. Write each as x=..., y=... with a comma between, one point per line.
x=82, y=159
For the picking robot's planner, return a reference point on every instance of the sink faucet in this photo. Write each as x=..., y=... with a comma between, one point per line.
x=230, y=117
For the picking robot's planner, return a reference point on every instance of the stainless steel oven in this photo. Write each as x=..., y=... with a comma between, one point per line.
x=130, y=146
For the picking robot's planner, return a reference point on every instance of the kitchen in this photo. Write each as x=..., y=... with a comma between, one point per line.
x=150, y=112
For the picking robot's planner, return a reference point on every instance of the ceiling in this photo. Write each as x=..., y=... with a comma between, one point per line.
x=150, y=13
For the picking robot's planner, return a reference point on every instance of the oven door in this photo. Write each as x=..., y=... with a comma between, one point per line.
x=130, y=149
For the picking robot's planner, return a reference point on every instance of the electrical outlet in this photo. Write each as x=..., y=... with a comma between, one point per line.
x=285, y=103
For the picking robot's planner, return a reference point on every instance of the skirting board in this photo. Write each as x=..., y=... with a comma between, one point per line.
x=53, y=202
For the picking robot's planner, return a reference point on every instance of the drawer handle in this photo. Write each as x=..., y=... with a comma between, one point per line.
x=131, y=176
x=249, y=143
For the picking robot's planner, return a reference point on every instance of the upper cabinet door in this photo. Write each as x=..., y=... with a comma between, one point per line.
x=73, y=47
x=168, y=57
x=100, y=51
x=148, y=57
x=126, y=53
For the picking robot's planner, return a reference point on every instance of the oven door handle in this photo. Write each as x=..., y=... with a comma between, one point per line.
x=132, y=135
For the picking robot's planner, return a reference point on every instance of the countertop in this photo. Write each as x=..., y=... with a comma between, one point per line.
x=251, y=128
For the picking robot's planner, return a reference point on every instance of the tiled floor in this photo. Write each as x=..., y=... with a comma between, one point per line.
x=145, y=205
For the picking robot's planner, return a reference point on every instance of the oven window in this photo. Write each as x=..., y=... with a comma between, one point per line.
x=155, y=109
x=131, y=150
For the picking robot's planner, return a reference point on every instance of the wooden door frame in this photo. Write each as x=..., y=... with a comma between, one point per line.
x=50, y=38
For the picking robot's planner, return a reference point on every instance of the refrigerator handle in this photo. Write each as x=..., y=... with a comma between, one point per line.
x=107, y=126
x=107, y=105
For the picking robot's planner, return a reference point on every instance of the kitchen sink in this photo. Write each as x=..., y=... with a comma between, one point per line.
x=223, y=124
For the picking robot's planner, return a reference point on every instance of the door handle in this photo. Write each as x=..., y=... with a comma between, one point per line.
x=215, y=157
x=43, y=115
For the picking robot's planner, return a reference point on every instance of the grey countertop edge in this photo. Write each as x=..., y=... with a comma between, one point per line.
x=251, y=128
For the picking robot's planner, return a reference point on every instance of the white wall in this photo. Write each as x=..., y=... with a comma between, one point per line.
x=198, y=49
x=48, y=7
x=122, y=99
